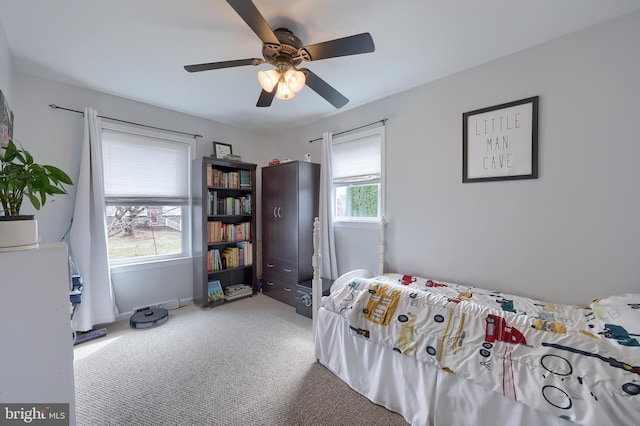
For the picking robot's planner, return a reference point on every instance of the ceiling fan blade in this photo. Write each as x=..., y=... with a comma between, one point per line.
x=266, y=98
x=323, y=89
x=352, y=45
x=250, y=14
x=223, y=64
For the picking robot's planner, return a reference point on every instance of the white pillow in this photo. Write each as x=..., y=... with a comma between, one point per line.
x=343, y=279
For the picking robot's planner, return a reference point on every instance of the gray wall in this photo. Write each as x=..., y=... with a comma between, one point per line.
x=571, y=235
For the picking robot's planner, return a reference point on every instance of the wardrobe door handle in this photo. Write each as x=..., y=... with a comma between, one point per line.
x=287, y=289
x=270, y=265
x=286, y=270
x=269, y=282
x=279, y=212
x=274, y=212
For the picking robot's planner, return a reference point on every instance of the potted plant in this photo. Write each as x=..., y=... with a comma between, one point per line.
x=21, y=177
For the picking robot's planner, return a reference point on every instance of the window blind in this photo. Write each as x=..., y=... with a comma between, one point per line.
x=142, y=168
x=357, y=160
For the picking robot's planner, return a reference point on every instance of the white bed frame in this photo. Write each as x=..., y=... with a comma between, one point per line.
x=316, y=263
x=423, y=395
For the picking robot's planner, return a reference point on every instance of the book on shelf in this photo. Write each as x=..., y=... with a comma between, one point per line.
x=239, y=232
x=245, y=179
x=214, y=261
x=246, y=252
x=214, y=203
x=246, y=208
x=215, y=291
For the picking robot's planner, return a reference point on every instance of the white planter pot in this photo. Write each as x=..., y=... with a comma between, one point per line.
x=18, y=233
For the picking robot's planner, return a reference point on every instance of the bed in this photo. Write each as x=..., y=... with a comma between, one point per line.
x=441, y=353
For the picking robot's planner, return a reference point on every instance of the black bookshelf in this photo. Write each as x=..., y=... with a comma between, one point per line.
x=224, y=222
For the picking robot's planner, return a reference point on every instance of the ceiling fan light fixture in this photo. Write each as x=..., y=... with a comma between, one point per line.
x=268, y=79
x=295, y=79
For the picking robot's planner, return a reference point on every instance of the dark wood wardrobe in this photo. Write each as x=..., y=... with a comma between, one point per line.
x=289, y=203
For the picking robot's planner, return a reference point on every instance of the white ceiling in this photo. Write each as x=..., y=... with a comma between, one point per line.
x=136, y=49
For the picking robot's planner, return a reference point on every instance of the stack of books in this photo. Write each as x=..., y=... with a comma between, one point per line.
x=236, y=291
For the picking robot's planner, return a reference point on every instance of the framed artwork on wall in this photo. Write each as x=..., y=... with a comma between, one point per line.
x=6, y=121
x=221, y=150
x=501, y=142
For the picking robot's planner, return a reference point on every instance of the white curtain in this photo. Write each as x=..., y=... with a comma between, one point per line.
x=329, y=267
x=88, y=236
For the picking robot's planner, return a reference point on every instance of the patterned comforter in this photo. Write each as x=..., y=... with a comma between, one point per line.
x=577, y=363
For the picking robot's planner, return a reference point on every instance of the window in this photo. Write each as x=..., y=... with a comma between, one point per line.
x=147, y=187
x=357, y=168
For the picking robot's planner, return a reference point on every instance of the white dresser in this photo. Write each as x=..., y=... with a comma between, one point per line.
x=36, y=347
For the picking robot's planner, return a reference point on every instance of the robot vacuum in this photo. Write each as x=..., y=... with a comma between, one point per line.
x=148, y=317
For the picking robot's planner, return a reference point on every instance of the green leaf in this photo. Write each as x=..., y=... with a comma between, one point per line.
x=55, y=190
x=43, y=196
x=34, y=200
x=28, y=158
x=59, y=174
x=10, y=152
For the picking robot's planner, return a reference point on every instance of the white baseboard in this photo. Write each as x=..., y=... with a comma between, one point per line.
x=168, y=304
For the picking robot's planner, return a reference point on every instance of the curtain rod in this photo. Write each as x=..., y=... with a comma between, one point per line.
x=383, y=121
x=54, y=106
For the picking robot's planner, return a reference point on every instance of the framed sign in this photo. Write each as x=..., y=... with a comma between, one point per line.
x=501, y=142
x=221, y=150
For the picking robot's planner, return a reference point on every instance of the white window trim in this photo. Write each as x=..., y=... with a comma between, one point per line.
x=142, y=265
x=341, y=221
x=353, y=224
x=137, y=262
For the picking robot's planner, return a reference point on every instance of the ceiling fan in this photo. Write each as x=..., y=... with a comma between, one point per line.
x=282, y=49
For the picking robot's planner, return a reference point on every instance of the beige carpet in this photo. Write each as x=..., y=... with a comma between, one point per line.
x=249, y=362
